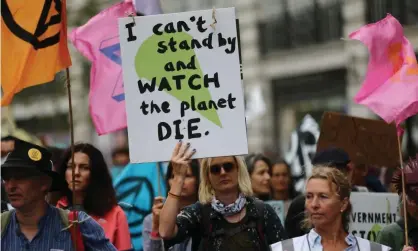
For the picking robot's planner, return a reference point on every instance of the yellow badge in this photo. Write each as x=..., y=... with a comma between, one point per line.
x=35, y=154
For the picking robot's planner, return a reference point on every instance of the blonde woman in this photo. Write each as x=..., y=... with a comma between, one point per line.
x=227, y=216
x=328, y=211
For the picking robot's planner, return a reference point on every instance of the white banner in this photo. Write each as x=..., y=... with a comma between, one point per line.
x=182, y=81
x=371, y=212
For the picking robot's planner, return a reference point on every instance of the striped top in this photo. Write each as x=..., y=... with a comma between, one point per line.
x=52, y=237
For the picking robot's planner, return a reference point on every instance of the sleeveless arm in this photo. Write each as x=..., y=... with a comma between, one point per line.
x=274, y=230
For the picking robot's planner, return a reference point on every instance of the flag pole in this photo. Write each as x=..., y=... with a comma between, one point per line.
x=70, y=111
x=405, y=218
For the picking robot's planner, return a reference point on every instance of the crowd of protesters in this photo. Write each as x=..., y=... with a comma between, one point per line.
x=212, y=203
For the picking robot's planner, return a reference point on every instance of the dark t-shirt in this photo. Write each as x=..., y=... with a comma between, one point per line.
x=240, y=241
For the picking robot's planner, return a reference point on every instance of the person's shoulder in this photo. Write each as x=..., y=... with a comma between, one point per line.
x=391, y=228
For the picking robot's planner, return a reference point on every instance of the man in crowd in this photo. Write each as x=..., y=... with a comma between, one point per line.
x=33, y=224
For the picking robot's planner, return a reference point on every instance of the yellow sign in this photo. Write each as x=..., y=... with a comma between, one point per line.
x=35, y=154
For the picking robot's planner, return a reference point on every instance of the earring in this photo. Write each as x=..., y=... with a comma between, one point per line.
x=341, y=210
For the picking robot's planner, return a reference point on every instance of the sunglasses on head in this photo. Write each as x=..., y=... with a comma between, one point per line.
x=216, y=169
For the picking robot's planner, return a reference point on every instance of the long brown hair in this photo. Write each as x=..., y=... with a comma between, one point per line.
x=343, y=190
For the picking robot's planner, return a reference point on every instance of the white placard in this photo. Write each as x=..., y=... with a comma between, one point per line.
x=371, y=212
x=182, y=81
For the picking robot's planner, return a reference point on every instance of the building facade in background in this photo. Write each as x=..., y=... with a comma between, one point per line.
x=295, y=62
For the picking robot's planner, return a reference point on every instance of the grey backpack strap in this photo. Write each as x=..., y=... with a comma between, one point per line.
x=287, y=245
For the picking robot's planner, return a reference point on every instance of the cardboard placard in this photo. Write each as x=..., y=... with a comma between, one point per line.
x=367, y=141
x=182, y=81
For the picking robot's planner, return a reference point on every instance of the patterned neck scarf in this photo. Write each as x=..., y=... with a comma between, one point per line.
x=230, y=209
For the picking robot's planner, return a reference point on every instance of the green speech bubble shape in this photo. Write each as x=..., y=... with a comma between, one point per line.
x=149, y=64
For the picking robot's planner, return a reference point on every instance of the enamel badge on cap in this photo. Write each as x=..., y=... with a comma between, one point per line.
x=35, y=154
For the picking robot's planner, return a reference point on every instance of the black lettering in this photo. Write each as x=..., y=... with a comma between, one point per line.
x=169, y=66
x=377, y=219
x=169, y=28
x=181, y=65
x=353, y=215
x=221, y=41
x=191, y=82
x=183, y=107
x=200, y=24
x=370, y=218
x=221, y=103
x=358, y=218
x=231, y=101
x=154, y=107
x=192, y=65
x=384, y=218
x=172, y=45
x=214, y=80
x=231, y=41
x=212, y=105
x=182, y=25
x=178, y=133
x=144, y=107
x=364, y=217
x=362, y=233
x=164, y=85
x=371, y=236
x=162, y=48
x=195, y=44
x=193, y=103
x=202, y=106
x=192, y=18
x=161, y=135
x=207, y=42
x=184, y=46
x=165, y=106
x=191, y=128
x=131, y=36
x=178, y=79
x=144, y=87
x=156, y=30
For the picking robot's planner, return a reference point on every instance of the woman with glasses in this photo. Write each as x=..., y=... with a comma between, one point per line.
x=328, y=211
x=227, y=216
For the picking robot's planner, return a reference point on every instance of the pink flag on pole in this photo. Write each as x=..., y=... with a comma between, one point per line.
x=98, y=41
x=390, y=88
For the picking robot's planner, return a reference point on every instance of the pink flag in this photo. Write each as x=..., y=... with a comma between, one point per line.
x=390, y=88
x=98, y=41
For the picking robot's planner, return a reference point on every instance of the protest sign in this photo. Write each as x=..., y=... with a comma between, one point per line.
x=372, y=212
x=182, y=81
x=367, y=141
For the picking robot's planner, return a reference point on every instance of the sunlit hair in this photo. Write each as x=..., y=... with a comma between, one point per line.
x=206, y=191
x=343, y=190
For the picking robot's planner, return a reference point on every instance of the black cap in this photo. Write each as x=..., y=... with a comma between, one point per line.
x=34, y=159
x=335, y=157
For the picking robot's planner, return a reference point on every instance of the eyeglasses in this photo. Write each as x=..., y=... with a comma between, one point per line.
x=216, y=169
